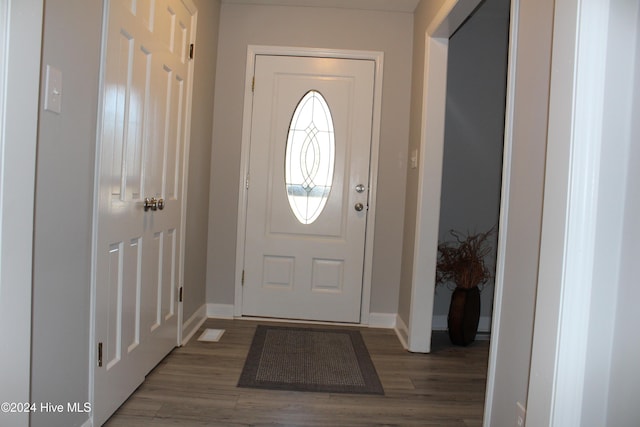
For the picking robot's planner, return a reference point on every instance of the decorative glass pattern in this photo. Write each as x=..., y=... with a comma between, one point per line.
x=309, y=157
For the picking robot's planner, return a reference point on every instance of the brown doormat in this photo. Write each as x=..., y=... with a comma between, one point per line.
x=309, y=359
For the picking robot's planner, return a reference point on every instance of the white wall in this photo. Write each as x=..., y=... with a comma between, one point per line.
x=624, y=379
x=584, y=361
x=609, y=383
x=585, y=349
x=242, y=25
x=20, y=43
x=523, y=182
x=474, y=132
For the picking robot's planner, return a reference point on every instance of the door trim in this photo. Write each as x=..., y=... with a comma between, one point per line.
x=448, y=18
x=378, y=58
x=20, y=31
x=191, y=7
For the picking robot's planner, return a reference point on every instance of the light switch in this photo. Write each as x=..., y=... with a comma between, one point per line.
x=53, y=90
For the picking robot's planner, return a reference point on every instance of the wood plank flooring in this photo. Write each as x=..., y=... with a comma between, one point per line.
x=196, y=386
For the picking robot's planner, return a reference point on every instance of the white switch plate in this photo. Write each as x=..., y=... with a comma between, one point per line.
x=53, y=90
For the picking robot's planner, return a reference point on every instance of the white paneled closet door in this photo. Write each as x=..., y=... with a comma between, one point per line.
x=145, y=114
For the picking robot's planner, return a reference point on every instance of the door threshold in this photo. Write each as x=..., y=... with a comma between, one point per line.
x=300, y=321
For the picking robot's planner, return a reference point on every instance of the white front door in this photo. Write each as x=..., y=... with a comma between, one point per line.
x=147, y=69
x=308, y=188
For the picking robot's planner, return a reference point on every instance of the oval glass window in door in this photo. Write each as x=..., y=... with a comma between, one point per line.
x=309, y=157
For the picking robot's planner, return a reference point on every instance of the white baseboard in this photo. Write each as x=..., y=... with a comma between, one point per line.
x=191, y=326
x=402, y=331
x=220, y=311
x=376, y=320
x=382, y=320
x=440, y=323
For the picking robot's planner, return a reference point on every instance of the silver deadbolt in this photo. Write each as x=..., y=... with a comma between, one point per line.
x=360, y=188
x=359, y=207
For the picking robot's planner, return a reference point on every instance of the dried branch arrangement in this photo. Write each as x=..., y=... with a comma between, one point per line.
x=462, y=261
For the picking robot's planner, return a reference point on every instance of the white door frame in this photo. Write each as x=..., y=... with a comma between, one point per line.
x=590, y=133
x=449, y=17
x=252, y=51
x=504, y=210
x=20, y=31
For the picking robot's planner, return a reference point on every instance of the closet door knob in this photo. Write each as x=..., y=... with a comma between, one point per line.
x=151, y=203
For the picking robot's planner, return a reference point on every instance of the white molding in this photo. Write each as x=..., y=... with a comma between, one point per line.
x=378, y=58
x=191, y=326
x=586, y=144
x=96, y=206
x=226, y=311
x=185, y=167
x=300, y=322
x=440, y=323
x=402, y=332
x=448, y=18
x=504, y=211
x=20, y=65
x=88, y=423
x=406, y=6
x=574, y=144
x=4, y=66
x=367, y=278
x=244, y=170
x=429, y=188
x=382, y=320
x=220, y=311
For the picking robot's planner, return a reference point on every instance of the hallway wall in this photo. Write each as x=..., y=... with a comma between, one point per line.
x=64, y=206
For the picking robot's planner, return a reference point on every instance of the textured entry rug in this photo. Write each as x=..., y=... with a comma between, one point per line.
x=306, y=359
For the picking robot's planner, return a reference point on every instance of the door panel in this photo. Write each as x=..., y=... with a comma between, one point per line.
x=292, y=269
x=146, y=72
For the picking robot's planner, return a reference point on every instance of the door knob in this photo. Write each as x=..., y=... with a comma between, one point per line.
x=160, y=203
x=151, y=203
x=360, y=188
x=359, y=207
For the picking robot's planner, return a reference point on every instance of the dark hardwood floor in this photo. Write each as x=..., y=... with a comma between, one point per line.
x=196, y=386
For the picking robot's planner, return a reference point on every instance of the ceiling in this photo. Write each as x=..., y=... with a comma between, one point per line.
x=386, y=5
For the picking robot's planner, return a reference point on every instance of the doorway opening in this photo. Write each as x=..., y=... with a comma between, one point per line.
x=448, y=21
x=473, y=141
